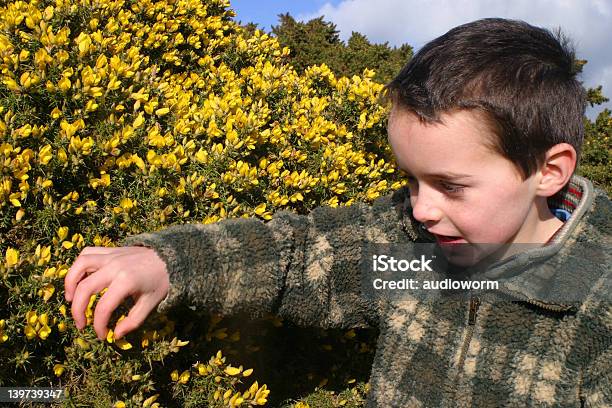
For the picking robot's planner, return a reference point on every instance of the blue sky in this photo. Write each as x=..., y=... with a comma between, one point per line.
x=265, y=12
x=416, y=22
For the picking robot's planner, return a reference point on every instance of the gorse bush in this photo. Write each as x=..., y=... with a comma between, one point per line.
x=118, y=117
x=596, y=157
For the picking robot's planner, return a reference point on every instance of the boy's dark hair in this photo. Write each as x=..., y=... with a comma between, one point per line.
x=522, y=78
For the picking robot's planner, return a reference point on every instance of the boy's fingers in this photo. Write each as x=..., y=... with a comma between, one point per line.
x=87, y=261
x=117, y=291
x=135, y=318
x=92, y=284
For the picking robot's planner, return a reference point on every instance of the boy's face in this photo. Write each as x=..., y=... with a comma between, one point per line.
x=462, y=191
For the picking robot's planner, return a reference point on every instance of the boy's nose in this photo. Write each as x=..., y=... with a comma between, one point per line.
x=424, y=208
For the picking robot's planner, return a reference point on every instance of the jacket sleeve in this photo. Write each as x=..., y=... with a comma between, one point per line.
x=304, y=268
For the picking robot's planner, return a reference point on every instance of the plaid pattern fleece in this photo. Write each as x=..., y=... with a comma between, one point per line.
x=524, y=352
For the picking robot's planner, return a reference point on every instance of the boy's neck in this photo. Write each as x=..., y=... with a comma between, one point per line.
x=546, y=224
x=539, y=225
x=542, y=225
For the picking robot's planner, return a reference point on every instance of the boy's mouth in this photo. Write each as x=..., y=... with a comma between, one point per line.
x=449, y=240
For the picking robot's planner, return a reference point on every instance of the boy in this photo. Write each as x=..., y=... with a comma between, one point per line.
x=487, y=123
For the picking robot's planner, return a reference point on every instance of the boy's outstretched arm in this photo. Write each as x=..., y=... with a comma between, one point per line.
x=303, y=268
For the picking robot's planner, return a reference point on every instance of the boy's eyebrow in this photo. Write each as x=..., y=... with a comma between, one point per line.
x=449, y=175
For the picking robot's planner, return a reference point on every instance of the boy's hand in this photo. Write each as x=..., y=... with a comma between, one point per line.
x=125, y=271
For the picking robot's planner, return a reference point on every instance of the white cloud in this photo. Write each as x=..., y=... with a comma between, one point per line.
x=416, y=22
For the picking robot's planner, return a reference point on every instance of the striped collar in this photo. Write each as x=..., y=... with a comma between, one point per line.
x=576, y=197
x=569, y=197
x=563, y=204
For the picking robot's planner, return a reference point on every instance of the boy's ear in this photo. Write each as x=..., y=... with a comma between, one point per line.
x=558, y=167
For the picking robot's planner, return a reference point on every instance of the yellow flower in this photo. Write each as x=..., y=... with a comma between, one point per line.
x=11, y=257
x=82, y=343
x=127, y=204
x=62, y=233
x=45, y=154
x=28, y=79
x=47, y=291
x=31, y=318
x=64, y=84
x=3, y=336
x=29, y=331
x=123, y=344
x=162, y=111
x=260, y=209
x=62, y=156
x=84, y=44
x=253, y=388
x=11, y=84
x=91, y=106
x=24, y=55
x=150, y=400
x=44, y=332
x=236, y=400
x=58, y=369
x=261, y=395
x=138, y=121
x=110, y=336
x=103, y=181
x=184, y=377
x=229, y=370
x=202, y=369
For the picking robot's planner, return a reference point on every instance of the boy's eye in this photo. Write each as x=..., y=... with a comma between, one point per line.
x=451, y=188
x=446, y=187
